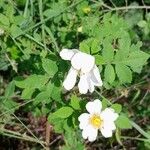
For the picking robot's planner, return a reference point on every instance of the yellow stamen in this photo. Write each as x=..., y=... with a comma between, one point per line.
x=96, y=121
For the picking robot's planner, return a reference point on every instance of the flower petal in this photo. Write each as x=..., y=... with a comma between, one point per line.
x=106, y=133
x=109, y=114
x=90, y=133
x=94, y=107
x=84, y=120
x=83, y=61
x=91, y=86
x=67, y=54
x=70, y=79
x=95, y=77
x=83, y=84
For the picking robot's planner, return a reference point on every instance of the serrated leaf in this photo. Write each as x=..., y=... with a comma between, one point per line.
x=109, y=73
x=136, y=59
x=117, y=108
x=99, y=60
x=49, y=66
x=75, y=102
x=124, y=73
x=124, y=44
x=123, y=122
x=63, y=112
x=95, y=46
x=108, y=51
x=84, y=47
x=90, y=45
x=32, y=82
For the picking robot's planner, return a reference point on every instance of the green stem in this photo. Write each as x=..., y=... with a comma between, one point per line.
x=135, y=138
x=140, y=130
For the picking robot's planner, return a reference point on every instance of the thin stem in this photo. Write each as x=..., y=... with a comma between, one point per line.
x=140, y=130
x=113, y=3
x=26, y=9
x=120, y=8
x=29, y=131
x=4, y=113
x=135, y=138
x=52, y=38
x=128, y=7
x=42, y=19
x=103, y=97
x=45, y=20
x=18, y=135
x=48, y=134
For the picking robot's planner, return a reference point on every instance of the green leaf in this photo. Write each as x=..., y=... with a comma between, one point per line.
x=10, y=89
x=90, y=45
x=99, y=60
x=32, y=82
x=42, y=97
x=142, y=23
x=108, y=51
x=15, y=30
x=10, y=104
x=123, y=122
x=63, y=112
x=4, y=20
x=57, y=123
x=49, y=66
x=84, y=47
x=56, y=93
x=109, y=73
x=105, y=103
x=27, y=93
x=55, y=9
x=124, y=73
x=117, y=108
x=136, y=59
x=95, y=46
x=75, y=102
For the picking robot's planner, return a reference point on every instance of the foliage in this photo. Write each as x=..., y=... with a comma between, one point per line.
x=34, y=34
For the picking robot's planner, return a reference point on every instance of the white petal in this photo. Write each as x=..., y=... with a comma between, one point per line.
x=109, y=125
x=91, y=86
x=83, y=84
x=109, y=114
x=84, y=120
x=85, y=134
x=67, y=54
x=95, y=77
x=83, y=61
x=70, y=79
x=90, y=133
x=106, y=133
x=94, y=107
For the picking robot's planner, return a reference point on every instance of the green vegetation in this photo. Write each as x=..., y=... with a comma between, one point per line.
x=36, y=112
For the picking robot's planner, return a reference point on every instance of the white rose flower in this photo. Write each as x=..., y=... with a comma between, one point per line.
x=96, y=120
x=82, y=64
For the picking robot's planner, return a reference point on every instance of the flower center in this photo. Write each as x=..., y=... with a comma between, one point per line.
x=96, y=121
